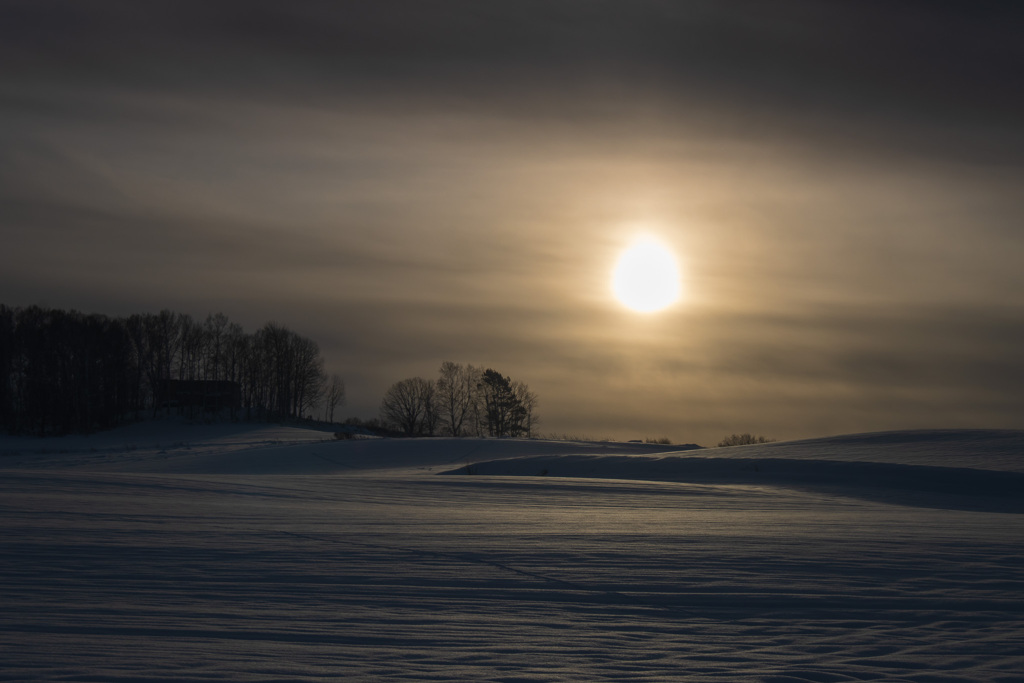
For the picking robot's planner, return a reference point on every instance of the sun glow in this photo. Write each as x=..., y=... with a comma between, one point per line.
x=646, y=277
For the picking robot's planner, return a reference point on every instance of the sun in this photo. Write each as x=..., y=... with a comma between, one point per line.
x=646, y=277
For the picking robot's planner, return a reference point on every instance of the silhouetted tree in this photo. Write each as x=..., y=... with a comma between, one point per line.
x=142, y=360
x=215, y=332
x=63, y=371
x=7, y=367
x=464, y=400
x=527, y=418
x=403, y=405
x=508, y=405
x=163, y=331
x=334, y=396
x=456, y=396
x=308, y=378
x=431, y=408
x=236, y=348
x=743, y=440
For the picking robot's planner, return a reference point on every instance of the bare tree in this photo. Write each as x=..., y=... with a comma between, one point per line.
x=236, y=349
x=163, y=331
x=285, y=373
x=215, y=330
x=477, y=403
x=431, y=412
x=334, y=396
x=144, y=359
x=456, y=394
x=307, y=374
x=403, y=405
x=527, y=404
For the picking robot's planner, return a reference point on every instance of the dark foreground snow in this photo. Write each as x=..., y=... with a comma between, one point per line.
x=276, y=557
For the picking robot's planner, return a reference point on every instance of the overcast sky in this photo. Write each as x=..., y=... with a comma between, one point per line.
x=410, y=182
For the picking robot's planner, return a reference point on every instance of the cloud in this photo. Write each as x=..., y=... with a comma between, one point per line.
x=412, y=182
x=931, y=80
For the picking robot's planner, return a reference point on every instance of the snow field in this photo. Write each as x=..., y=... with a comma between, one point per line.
x=358, y=561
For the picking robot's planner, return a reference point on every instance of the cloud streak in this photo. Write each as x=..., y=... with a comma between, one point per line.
x=413, y=182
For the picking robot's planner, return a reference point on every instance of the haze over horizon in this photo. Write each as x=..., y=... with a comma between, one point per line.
x=408, y=183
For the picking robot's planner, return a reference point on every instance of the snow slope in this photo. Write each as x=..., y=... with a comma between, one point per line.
x=267, y=554
x=964, y=469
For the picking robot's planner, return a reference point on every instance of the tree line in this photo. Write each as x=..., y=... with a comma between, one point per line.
x=463, y=401
x=63, y=371
x=744, y=439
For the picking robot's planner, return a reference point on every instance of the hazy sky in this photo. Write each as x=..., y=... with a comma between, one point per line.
x=412, y=182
